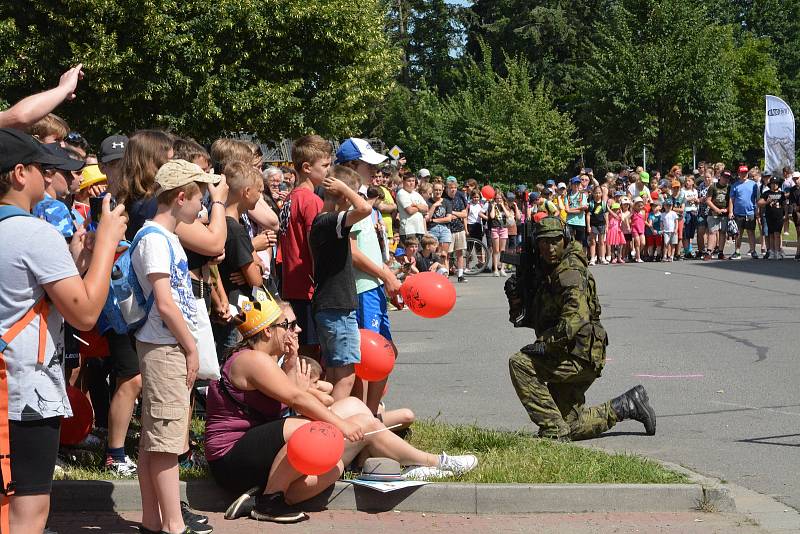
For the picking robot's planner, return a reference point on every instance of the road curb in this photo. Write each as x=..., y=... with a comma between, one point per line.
x=455, y=498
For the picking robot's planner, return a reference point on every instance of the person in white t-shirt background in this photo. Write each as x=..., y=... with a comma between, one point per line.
x=411, y=208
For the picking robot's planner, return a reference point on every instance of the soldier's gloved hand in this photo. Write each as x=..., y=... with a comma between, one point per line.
x=535, y=349
x=515, y=304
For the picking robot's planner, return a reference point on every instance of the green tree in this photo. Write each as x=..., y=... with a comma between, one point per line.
x=270, y=67
x=660, y=75
x=495, y=126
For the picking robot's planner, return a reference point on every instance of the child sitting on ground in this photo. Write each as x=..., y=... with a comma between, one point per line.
x=426, y=258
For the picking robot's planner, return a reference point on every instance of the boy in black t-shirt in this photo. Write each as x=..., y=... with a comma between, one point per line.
x=245, y=186
x=772, y=202
x=335, y=299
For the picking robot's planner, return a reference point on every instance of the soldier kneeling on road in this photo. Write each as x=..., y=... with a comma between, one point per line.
x=551, y=376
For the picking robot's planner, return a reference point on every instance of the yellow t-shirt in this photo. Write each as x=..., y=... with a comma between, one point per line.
x=387, y=217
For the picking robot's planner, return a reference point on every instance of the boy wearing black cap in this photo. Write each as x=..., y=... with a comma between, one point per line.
x=57, y=180
x=40, y=280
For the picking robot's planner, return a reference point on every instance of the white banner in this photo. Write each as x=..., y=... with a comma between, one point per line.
x=778, y=136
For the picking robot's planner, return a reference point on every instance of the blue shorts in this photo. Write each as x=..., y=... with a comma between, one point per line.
x=372, y=312
x=441, y=233
x=339, y=339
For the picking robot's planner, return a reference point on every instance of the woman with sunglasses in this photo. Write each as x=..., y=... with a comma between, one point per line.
x=246, y=432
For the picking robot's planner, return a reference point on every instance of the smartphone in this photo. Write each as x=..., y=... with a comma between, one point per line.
x=283, y=187
x=96, y=208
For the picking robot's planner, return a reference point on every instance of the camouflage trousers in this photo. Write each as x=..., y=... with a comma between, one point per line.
x=553, y=393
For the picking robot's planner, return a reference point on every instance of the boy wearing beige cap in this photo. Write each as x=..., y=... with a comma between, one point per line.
x=166, y=344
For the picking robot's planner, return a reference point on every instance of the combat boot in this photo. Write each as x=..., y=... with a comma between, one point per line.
x=634, y=404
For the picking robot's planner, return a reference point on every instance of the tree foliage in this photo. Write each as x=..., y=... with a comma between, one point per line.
x=498, y=126
x=270, y=67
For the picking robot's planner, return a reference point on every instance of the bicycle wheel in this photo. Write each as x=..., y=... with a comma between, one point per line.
x=476, y=257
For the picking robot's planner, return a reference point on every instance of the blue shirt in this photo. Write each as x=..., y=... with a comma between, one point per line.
x=744, y=196
x=56, y=213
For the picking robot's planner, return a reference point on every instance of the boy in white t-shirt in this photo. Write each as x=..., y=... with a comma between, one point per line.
x=40, y=274
x=411, y=208
x=166, y=344
x=669, y=227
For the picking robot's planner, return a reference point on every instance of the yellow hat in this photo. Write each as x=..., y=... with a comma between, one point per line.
x=258, y=316
x=90, y=176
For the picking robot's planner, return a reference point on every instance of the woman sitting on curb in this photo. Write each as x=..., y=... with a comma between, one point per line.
x=246, y=436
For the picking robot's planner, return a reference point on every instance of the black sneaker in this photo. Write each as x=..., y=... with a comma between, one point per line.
x=193, y=528
x=243, y=504
x=189, y=516
x=273, y=508
x=462, y=279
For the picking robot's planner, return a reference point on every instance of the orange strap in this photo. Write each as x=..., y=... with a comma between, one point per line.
x=41, y=309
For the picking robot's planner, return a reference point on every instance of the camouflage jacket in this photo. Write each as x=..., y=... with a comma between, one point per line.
x=566, y=310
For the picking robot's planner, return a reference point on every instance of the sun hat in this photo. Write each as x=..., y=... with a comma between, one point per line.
x=637, y=200
x=645, y=176
x=615, y=206
x=358, y=149
x=256, y=316
x=676, y=183
x=179, y=172
x=624, y=200
x=90, y=176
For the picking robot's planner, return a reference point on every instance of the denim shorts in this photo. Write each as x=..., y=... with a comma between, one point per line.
x=339, y=339
x=441, y=233
x=372, y=312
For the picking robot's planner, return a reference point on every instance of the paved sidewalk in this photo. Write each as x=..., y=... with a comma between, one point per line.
x=408, y=522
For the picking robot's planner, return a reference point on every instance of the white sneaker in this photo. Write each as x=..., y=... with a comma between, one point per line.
x=496, y=274
x=123, y=469
x=592, y=262
x=422, y=472
x=458, y=465
x=503, y=273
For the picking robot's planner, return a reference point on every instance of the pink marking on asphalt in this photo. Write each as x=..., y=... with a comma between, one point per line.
x=669, y=376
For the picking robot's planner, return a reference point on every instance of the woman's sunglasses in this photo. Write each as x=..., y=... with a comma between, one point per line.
x=287, y=325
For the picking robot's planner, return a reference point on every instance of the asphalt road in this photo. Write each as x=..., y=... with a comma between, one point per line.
x=717, y=343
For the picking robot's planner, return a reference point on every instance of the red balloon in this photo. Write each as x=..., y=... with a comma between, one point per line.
x=377, y=357
x=487, y=191
x=429, y=294
x=74, y=429
x=315, y=448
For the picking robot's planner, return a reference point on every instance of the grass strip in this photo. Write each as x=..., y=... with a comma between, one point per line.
x=504, y=457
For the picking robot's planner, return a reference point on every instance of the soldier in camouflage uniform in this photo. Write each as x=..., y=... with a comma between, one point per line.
x=551, y=376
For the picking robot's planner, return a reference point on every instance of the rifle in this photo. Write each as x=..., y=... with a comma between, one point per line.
x=524, y=261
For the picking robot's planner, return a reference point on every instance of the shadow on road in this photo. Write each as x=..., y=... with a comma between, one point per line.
x=769, y=440
x=787, y=268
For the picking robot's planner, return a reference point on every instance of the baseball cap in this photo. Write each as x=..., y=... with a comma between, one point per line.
x=179, y=172
x=549, y=227
x=510, y=195
x=725, y=174
x=535, y=195
x=17, y=147
x=615, y=206
x=587, y=170
x=743, y=168
x=562, y=185
x=668, y=202
x=575, y=180
x=775, y=180
x=399, y=251
x=451, y=179
x=358, y=149
x=550, y=182
x=624, y=200
x=67, y=163
x=113, y=147
x=676, y=183
x=637, y=200
x=521, y=188
x=663, y=183
x=645, y=176
x=90, y=176
x=619, y=193
x=424, y=173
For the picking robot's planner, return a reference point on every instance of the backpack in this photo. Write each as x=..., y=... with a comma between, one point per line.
x=126, y=307
x=40, y=309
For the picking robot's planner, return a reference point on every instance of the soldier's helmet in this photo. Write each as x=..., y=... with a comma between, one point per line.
x=549, y=227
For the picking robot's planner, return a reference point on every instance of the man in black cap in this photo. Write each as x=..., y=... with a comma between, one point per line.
x=111, y=151
x=40, y=278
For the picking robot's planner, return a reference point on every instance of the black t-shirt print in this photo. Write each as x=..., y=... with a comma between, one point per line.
x=719, y=195
x=775, y=202
x=441, y=211
x=334, y=282
x=238, y=253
